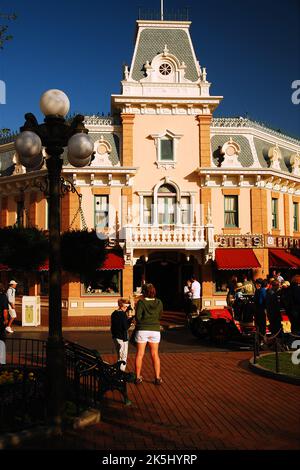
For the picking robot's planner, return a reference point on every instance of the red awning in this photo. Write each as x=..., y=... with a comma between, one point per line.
x=44, y=266
x=4, y=267
x=112, y=261
x=236, y=258
x=280, y=258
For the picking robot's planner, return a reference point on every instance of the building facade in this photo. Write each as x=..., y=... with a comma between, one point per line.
x=179, y=191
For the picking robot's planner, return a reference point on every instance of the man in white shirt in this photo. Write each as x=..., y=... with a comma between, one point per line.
x=11, y=297
x=196, y=293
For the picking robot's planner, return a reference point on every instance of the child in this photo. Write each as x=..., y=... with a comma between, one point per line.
x=120, y=323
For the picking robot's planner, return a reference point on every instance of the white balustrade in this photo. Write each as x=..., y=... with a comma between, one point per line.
x=186, y=237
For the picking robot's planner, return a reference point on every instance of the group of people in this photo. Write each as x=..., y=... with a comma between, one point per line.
x=270, y=296
x=7, y=308
x=147, y=330
x=192, y=296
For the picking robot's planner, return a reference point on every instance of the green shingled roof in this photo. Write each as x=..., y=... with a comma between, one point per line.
x=262, y=149
x=6, y=163
x=111, y=138
x=245, y=157
x=152, y=42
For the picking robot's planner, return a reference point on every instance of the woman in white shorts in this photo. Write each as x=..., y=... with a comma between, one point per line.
x=148, y=311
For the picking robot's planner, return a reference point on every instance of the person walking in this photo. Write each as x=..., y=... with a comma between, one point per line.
x=196, y=294
x=295, y=304
x=273, y=307
x=3, y=323
x=120, y=322
x=11, y=297
x=147, y=315
x=260, y=306
x=188, y=306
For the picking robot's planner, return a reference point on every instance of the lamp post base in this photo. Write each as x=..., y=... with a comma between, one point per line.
x=55, y=381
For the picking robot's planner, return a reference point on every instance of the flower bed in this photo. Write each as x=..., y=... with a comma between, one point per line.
x=22, y=403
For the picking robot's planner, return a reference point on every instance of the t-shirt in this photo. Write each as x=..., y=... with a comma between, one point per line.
x=196, y=289
x=3, y=306
x=11, y=295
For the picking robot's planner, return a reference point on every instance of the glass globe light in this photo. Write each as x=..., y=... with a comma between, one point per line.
x=28, y=145
x=32, y=163
x=54, y=103
x=80, y=148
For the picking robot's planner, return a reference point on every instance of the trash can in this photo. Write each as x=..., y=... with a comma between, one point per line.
x=31, y=310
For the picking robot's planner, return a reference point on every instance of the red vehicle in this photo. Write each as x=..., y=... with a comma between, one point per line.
x=229, y=324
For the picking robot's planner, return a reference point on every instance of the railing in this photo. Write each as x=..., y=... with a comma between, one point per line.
x=167, y=236
x=22, y=388
x=25, y=352
x=153, y=14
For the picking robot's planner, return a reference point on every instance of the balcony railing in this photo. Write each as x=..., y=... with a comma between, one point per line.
x=167, y=236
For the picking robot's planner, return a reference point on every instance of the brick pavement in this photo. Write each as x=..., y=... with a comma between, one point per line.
x=208, y=401
x=100, y=321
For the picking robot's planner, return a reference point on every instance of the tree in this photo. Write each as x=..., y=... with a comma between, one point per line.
x=3, y=28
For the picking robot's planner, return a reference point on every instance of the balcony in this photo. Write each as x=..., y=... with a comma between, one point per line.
x=166, y=237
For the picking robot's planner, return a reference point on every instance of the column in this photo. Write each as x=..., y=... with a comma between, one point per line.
x=127, y=149
x=204, y=140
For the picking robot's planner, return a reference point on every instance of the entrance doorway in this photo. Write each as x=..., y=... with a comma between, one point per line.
x=168, y=272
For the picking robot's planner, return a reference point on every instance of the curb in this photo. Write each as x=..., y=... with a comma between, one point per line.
x=38, y=329
x=256, y=368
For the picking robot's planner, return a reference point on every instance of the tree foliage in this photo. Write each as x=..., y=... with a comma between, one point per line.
x=82, y=252
x=4, y=36
x=23, y=249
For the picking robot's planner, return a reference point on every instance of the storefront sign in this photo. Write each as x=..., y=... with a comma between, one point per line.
x=239, y=241
x=282, y=242
x=256, y=241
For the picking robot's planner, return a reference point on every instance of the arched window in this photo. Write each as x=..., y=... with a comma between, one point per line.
x=167, y=205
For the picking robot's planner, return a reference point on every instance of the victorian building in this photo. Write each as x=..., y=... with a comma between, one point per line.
x=181, y=192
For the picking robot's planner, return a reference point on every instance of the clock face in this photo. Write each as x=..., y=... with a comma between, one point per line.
x=165, y=69
x=102, y=149
x=230, y=151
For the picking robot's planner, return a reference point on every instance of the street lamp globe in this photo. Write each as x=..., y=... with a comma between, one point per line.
x=54, y=103
x=80, y=149
x=29, y=147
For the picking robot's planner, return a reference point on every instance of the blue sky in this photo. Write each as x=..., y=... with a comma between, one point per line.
x=251, y=49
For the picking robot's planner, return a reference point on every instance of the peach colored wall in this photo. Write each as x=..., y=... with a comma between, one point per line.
x=144, y=152
x=218, y=210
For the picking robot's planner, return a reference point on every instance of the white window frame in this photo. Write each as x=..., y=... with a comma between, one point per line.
x=167, y=134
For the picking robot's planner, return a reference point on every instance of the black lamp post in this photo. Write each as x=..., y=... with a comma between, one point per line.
x=54, y=134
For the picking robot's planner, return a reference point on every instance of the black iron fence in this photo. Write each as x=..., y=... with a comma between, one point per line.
x=154, y=14
x=23, y=381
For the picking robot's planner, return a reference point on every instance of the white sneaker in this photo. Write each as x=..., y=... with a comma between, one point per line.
x=9, y=329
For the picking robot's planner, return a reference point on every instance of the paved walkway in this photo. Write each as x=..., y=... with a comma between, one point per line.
x=93, y=322
x=207, y=401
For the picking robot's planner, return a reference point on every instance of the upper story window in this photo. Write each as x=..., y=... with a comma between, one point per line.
x=20, y=213
x=274, y=213
x=296, y=216
x=166, y=149
x=101, y=211
x=185, y=208
x=147, y=210
x=231, y=218
x=166, y=144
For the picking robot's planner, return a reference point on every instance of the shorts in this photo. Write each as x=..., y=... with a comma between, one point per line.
x=12, y=313
x=145, y=336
